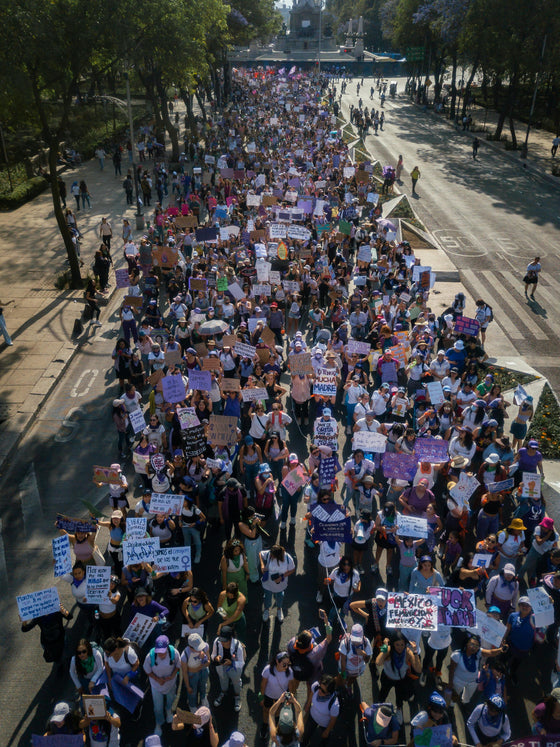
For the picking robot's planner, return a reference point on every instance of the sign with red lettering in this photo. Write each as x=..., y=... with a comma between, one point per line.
x=456, y=607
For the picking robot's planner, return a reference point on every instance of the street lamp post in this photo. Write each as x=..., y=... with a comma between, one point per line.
x=139, y=211
x=320, y=6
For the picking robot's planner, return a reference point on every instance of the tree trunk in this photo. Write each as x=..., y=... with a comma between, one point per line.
x=453, y=85
x=226, y=67
x=190, y=118
x=199, y=95
x=500, y=125
x=169, y=126
x=75, y=276
x=513, y=133
x=467, y=95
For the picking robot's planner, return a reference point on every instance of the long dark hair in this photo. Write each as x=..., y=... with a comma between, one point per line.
x=82, y=643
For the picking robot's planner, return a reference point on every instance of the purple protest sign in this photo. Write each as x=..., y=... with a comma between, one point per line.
x=201, y=380
x=329, y=523
x=173, y=388
x=466, y=326
x=431, y=450
x=207, y=234
x=305, y=205
x=389, y=373
x=399, y=466
x=328, y=467
x=121, y=276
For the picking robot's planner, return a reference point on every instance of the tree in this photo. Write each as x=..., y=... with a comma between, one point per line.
x=50, y=47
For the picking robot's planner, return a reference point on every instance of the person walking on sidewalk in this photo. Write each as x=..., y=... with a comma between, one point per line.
x=91, y=301
x=100, y=155
x=106, y=233
x=475, y=147
x=555, y=144
x=414, y=175
x=532, y=275
x=3, y=328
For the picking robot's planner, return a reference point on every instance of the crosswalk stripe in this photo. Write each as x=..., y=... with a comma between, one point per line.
x=501, y=315
x=550, y=292
x=524, y=311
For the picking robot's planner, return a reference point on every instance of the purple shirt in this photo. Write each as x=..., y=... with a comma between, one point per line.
x=528, y=463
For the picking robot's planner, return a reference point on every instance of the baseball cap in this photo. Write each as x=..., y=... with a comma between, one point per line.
x=495, y=609
x=226, y=633
x=61, y=710
x=236, y=739
x=152, y=741
x=327, y=411
x=162, y=643
x=118, y=514
x=203, y=713
x=293, y=459
x=533, y=444
x=286, y=719
x=437, y=700
x=497, y=702
x=509, y=568
x=356, y=634
x=118, y=402
x=195, y=642
x=525, y=600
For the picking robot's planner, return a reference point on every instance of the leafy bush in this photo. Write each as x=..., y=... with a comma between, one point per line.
x=23, y=193
x=545, y=426
x=509, y=379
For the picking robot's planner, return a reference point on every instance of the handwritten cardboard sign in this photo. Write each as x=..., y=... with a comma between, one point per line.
x=431, y=450
x=166, y=503
x=172, y=560
x=490, y=630
x=38, y=603
x=412, y=526
x=530, y=485
x=137, y=420
x=136, y=527
x=245, y=351
x=222, y=430
x=106, y=475
x=230, y=385
x=173, y=388
x=98, y=583
x=254, y=394
x=325, y=382
x=414, y=611
x=140, y=629
x=295, y=480
x=139, y=550
x=61, y=555
x=399, y=466
x=187, y=419
x=201, y=380
x=465, y=326
x=300, y=364
x=194, y=441
x=456, y=607
x=75, y=525
x=369, y=441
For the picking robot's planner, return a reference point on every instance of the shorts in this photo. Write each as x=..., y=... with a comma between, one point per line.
x=518, y=430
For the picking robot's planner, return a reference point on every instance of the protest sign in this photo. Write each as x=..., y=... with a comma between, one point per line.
x=222, y=430
x=328, y=469
x=412, y=526
x=61, y=555
x=361, y=348
x=137, y=420
x=172, y=560
x=389, y=372
x=139, y=550
x=200, y=380
x=98, y=583
x=140, y=629
x=245, y=351
x=173, y=388
x=136, y=527
x=497, y=487
x=121, y=277
x=166, y=503
x=197, y=284
x=400, y=406
x=399, y=466
x=435, y=392
x=414, y=611
x=277, y=231
x=490, y=630
x=329, y=523
x=431, y=450
x=187, y=717
x=230, y=385
x=519, y=395
x=456, y=607
x=482, y=560
x=173, y=357
x=165, y=256
x=364, y=253
x=94, y=706
x=75, y=525
x=263, y=271
x=38, y=603
x=369, y=441
x=58, y=740
x=325, y=433
x=466, y=326
x=260, y=289
x=291, y=286
x=325, y=382
x=463, y=489
x=254, y=394
x=433, y=736
x=140, y=463
x=106, y=475
x=300, y=364
x=187, y=419
x=299, y=233
x=194, y=441
x=236, y=291
x=133, y=301
x=295, y=480
x=543, y=607
x=158, y=462
x=530, y=485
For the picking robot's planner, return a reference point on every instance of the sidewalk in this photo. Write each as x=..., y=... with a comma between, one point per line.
x=41, y=319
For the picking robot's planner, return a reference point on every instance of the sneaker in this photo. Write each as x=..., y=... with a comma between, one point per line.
x=374, y=567
x=319, y=597
x=282, y=525
x=293, y=521
x=280, y=615
x=237, y=704
x=266, y=614
x=423, y=678
x=218, y=701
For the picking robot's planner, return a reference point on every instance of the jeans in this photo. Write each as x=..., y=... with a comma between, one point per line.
x=227, y=675
x=486, y=524
x=130, y=330
x=252, y=550
x=350, y=413
x=122, y=441
x=289, y=502
x=192, y=537
x=405, y=573
x=278, y=598
x=163, y=703
x=4, y=331
x=198, y=682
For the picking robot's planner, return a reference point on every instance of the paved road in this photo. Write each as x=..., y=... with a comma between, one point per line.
x=491, y=216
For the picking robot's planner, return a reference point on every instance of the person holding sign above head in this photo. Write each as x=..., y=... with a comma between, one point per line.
x=102, y=730
x=380, y=725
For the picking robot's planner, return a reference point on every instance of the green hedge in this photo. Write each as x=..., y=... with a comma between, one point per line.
x=23, y=193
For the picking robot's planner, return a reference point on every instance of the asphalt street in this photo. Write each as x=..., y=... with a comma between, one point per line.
x=489, y=216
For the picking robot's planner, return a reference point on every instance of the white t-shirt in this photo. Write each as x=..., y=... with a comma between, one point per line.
x=277, y=681
x=462, y=676
x=272, y=567
x=344, y=588
x=163, y=666
x=122, y=666
x=320, y=711
x=329, y=556
x=132, y=403
x=194, y=659
x=355, y=664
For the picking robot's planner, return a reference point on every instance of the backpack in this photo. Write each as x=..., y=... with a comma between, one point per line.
x=301, y=666
x=171, y=650
x=333, y=699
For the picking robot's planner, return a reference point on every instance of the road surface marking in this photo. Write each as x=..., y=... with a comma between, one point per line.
x=524, y=314
x=30, y=501
x=503, y=317
x=462, y=243
x=70, y=425
x=511, y=247
x=75, y=391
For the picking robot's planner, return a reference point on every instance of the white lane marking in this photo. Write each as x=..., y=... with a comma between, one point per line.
x=3, y=566
x=511, y=247
x=503, y=317
x=463, y=244
x=30, y=501
x=525, y=315
x=69, y=425
x=76, y=389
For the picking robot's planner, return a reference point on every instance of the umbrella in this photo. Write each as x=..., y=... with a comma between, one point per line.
x=384, y=223
x=213, y=327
